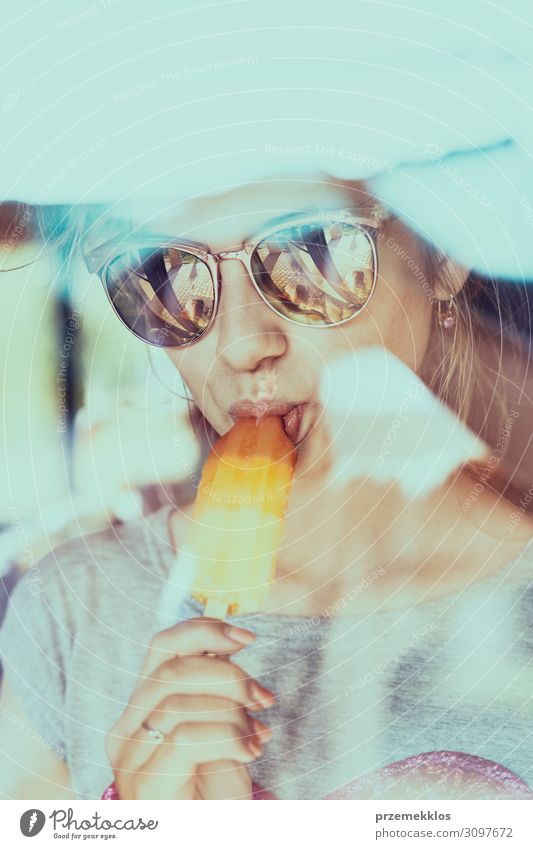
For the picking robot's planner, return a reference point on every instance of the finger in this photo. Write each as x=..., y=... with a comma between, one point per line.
x=184, y=709
x=195, y=636
x=224, y=780
x=171, y=772
x=193, y=676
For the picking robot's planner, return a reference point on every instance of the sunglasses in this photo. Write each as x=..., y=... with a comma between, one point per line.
x=315, y=270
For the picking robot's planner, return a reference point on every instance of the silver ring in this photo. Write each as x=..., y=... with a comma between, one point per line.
x=154, y=734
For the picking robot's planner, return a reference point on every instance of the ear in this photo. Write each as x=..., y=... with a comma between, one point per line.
x=451, y=278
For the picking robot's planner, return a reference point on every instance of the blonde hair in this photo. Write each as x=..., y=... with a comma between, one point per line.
x=470, y=366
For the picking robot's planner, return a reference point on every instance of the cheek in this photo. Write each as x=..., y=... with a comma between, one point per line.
x=398, y=317
x=400, y=310
x=193, y=368
x=197, y=367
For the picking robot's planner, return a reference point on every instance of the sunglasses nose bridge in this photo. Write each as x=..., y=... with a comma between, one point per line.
x=239, y=253
x=243, y=255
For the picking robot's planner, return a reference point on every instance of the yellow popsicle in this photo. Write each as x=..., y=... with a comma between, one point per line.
x=238, y=516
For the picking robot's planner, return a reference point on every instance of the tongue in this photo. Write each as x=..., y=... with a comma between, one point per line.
x=291, y=423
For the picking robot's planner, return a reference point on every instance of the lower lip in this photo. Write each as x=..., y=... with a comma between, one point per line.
x=292, y=423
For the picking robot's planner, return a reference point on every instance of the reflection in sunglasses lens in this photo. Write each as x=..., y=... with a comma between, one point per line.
x=164, y=295
x=316, y=274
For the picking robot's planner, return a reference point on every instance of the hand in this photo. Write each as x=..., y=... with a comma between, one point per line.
x=190, y=690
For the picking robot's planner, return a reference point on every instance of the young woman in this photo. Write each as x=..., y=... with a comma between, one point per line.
x=393, y=658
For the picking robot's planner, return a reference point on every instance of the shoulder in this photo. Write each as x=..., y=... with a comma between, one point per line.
x=90, y=583
x=508, y=533
x=143, y=543
x=493, y=512
x=87, y=569
x=494, y=540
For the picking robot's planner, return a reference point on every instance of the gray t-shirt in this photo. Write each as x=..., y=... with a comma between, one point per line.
x=354, y=694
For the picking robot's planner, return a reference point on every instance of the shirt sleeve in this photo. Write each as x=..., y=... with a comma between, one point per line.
x=35, y=645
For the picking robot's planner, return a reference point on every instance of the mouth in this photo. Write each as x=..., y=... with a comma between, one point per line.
x=291, y=415
x=292, y=422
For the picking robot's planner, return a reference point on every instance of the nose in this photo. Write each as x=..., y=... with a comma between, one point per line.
x=249, y=332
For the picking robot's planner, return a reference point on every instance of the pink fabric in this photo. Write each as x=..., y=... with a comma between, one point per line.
x=111, y=792
x=462, y=770
x=458, y=769
x=261, y=795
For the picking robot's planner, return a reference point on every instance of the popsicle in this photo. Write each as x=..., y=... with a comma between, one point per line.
x=238, y=516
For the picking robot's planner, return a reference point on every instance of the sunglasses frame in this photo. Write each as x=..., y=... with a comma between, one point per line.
x=100, y=258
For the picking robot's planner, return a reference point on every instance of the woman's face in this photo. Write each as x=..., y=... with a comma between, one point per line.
x=248, y=342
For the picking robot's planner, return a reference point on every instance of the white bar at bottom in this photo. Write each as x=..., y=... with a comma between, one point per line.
x=324, y=825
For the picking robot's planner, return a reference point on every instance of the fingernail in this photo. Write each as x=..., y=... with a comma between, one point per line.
x=240, y=635
x=261, y=728
x=255, y=748
x=261, y=694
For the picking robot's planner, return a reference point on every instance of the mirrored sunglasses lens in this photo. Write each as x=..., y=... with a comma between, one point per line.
x=164, y=295
x=316, y=274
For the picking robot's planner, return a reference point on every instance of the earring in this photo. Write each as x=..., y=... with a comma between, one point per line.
x=446, y=314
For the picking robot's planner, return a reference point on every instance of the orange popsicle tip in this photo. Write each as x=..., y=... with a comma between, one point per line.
x=238, y=515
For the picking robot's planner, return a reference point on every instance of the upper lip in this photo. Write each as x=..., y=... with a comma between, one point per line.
x=245, y=408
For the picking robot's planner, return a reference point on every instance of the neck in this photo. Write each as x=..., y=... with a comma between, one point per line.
x=335, y=538
x=362, y=525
